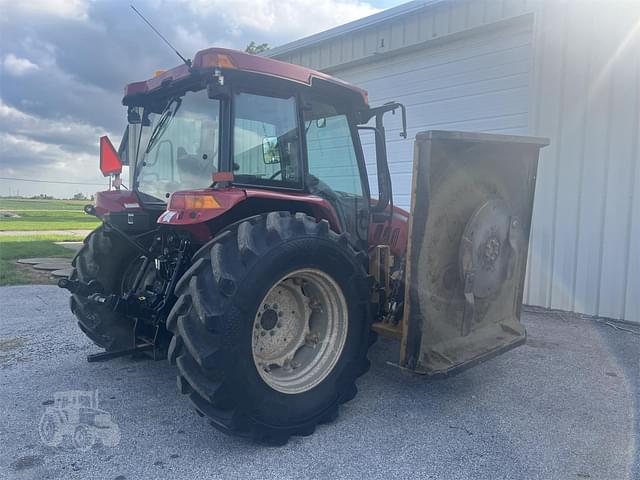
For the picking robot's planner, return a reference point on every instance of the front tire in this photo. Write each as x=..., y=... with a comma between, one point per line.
x=250, y=308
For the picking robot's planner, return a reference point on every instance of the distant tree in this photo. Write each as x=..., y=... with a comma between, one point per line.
x=255, y=48
x=79, y=196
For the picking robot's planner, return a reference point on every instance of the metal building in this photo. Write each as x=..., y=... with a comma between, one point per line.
x=567, y=70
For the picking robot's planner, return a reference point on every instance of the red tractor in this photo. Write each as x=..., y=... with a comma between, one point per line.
x=249, y=251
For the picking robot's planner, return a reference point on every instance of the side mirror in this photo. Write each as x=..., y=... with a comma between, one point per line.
x=146, y=122
x=133, y=116
x=270, y=150
x=217, y=91
x=110, y=162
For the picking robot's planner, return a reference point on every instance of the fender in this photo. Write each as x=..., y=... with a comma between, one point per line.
x=395, y=234
x=180, y=213
x=113, y=201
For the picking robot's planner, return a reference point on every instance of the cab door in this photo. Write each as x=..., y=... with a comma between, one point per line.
x=472, y=199
x=336, y=168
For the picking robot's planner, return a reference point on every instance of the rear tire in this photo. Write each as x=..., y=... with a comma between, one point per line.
x=104, y=258
x=217, y=327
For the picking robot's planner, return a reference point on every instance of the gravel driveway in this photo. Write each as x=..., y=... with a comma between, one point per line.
x=561, y=407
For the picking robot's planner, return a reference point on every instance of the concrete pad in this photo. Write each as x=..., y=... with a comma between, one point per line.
x=562, y=407
x=52, y=265
x=25, y=233
x=63, y=273
x=36, y=260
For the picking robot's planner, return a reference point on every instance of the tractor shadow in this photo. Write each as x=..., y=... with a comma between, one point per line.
x=142, y=396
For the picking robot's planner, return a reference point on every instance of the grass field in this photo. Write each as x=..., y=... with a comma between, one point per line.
x=37, y=215
x=13, y=204
x=29, y=246
x=46, y=215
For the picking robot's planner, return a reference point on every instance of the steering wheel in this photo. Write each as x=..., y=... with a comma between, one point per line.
x=273, y=177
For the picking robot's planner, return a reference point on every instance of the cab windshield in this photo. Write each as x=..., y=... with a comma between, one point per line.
x=179, y=150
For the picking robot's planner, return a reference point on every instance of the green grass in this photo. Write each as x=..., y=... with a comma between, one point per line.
x=49, y=220
x=13, y=247
x=46, y=215
x=14, y=204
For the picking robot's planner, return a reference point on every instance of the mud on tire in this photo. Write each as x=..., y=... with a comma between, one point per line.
x=104, y=257
x=213, y=323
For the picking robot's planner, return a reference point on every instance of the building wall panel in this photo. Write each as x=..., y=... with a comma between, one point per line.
x=632, y=302
x=622, y=159
x=585, y=98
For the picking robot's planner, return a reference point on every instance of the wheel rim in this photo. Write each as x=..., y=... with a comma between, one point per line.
x=299, y=331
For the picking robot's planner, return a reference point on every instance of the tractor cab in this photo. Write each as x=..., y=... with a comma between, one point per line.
x=252, y=127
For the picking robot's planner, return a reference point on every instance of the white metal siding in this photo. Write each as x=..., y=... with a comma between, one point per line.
x=476, y=83
x=585, y=244
x=403, y=27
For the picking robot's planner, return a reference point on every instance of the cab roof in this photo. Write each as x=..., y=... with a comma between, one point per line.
x=227, y=59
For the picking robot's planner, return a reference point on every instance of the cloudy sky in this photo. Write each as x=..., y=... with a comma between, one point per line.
x=64, y=63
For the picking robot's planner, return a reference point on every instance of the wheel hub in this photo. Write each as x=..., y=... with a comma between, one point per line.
x=269, y=319
x=279, y=329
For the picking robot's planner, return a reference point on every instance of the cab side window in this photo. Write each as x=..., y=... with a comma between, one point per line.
x=266, y=143
x=331, y=154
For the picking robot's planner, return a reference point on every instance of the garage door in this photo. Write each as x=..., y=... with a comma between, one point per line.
x=478, y=82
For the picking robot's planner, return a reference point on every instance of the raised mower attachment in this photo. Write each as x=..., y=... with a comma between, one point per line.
x=472, y=199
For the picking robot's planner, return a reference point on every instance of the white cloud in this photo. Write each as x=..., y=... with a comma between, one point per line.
x=12, y=115
x=18, y=66
x=54, y=164
x=290, y=18
x=192, y=40
x=54, y=161
x=77, y=136
x=70, y=9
